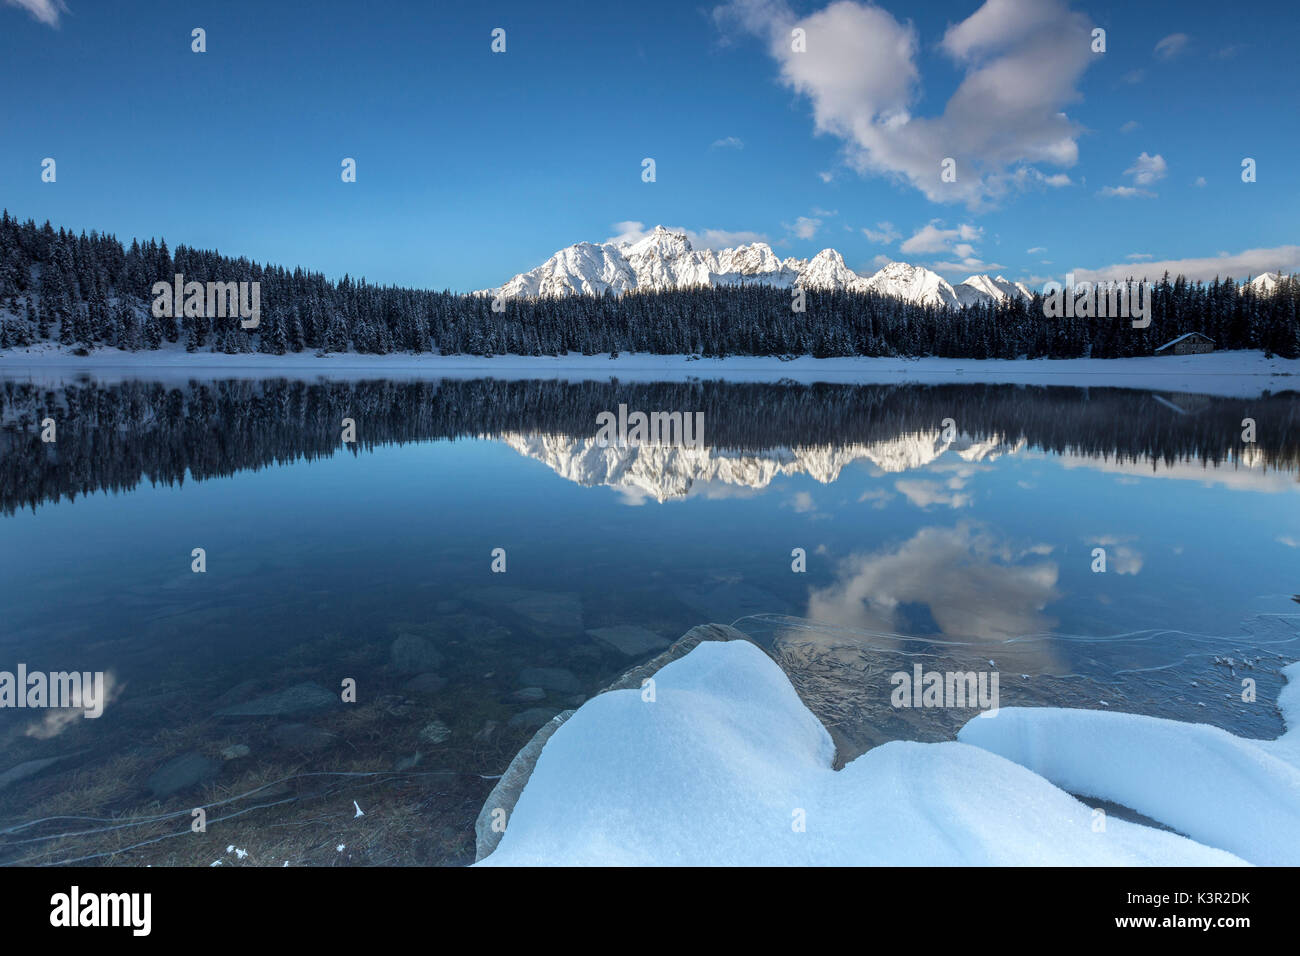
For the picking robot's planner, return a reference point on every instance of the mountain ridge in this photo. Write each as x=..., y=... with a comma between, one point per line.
x=663, y=259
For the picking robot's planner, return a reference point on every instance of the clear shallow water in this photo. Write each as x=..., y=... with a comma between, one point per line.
x=373, y=562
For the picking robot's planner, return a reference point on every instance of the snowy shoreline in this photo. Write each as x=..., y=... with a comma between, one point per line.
x=1228, y=374
x=729, y=755
x=734, y=769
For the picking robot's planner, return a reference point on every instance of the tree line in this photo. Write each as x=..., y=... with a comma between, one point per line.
x=87, y=291
x=110, y=437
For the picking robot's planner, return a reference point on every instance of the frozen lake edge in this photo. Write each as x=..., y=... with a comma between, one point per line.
x=1228, y=374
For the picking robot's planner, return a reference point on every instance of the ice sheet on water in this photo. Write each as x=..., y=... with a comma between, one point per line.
x=843, y=675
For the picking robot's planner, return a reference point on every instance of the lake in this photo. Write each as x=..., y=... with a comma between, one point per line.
x=477, y=561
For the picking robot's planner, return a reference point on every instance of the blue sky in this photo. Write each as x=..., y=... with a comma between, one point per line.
x=473, y=166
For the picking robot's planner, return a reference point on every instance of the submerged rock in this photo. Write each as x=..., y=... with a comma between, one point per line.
x=299, y=698
x=435, y=732
x=550, y=678
x=554, y=613
x=532, y=717
x=27, y=769
x=235, y=751
x=303, y=737
x=238, y=694
x=425, y=685
x=395, y=705
x=629, y=639
x=185, y=771
x=412, y=654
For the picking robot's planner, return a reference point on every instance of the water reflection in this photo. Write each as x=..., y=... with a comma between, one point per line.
x=111, y=436
x=954, y=544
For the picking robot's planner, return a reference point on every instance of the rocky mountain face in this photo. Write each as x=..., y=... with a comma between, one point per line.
x=664, y=259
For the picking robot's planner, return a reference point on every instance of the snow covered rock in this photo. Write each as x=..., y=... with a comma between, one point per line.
x=1221, y=790
x=723, y=765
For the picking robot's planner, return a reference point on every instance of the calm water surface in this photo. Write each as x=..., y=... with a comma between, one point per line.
x=373, y=562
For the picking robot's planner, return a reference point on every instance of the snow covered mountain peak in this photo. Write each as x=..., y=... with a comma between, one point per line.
x=757, y=258
x=660, y=242
x=1266, y=283
x=827, y=270
x=664, y=259
x=998, y=288
x=902, y=280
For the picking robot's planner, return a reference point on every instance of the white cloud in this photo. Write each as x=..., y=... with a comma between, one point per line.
x=46, y=11
x=884, y=233
x=1125, y=192
x=1239, y=265
x=1130, y=126
x=878, y=496
x=1021, y=62
x=965, y=266
x=1036, y=250
x=974, y=585
x=931, y=238
x=1120, y=558
x=1027, y=177
x=1171, y=46
x=631, y=230
x=1138, y=256
x=723, y=238
x=1200, y=181
x=924, y=493
x=958, y=242
x=1147, y=169
x=805, y=227
x=730, y=142
x=802, y=502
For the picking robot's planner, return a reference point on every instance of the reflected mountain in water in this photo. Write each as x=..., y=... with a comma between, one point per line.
x=113, y=436
x=665, y=472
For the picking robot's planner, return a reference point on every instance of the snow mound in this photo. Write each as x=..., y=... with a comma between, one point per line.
x=1221, y=790
x=726, y=766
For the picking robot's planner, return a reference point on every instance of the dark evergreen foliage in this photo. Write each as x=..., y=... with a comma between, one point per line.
x=82, y=291
x=112, y=436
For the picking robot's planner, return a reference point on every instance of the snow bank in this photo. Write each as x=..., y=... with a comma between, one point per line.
x=1220, y=790
x=726, y=762
x=1231, y=374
